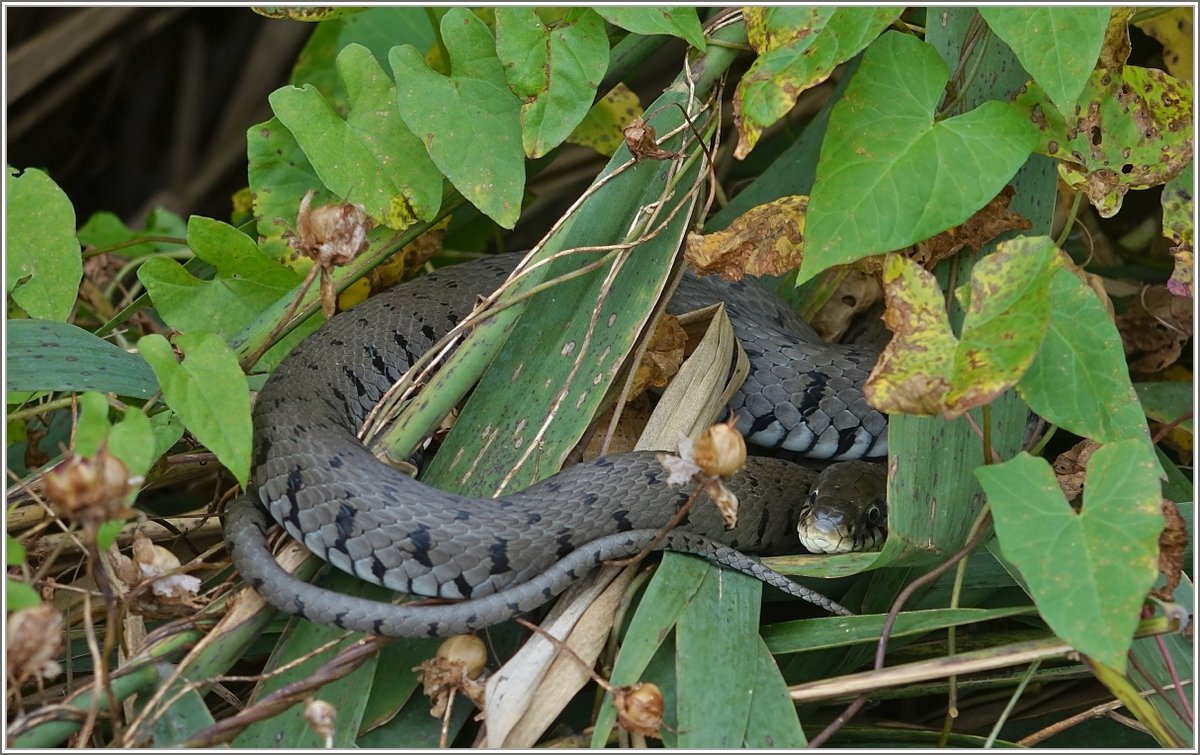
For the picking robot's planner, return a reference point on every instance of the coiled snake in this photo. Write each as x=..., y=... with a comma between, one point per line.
x=506, y=556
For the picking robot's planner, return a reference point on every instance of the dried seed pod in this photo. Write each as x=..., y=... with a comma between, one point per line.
x=720, y=451
x=90, y=490
x=321, y=717
x=456, y=667
x=34, y=641
x=640, y=708
x=466, y=649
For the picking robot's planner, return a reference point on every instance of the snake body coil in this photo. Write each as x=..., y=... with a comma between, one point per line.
x=508, y=555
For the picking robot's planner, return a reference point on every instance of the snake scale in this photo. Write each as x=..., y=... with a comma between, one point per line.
x=506, y=556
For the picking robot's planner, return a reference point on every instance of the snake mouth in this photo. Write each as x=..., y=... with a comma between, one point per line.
x=827, y=530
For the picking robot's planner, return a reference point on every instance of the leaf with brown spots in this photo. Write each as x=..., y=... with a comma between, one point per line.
x=1174, y=29
x=1131, y=129
x=766, y=240
x=1179, y=209
x=1172, y=547
x=994, y=219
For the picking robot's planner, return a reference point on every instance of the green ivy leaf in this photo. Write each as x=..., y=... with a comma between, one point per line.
x=555, y=71
x=889, y=173
x=369, y=157
x=14, y=552
x=1134, y=131
x=209, y=393
x=1088, y=572
x=104, y=230
x=469, y=121
x=18, y=595
x=1079, y=379
x=132, y=440
x=246, y=282
x=43, y=266
x=798, y=47
x=91, y=429
x=1057, y=46
x=280, y=175
x=679, y=21
x=46, y=355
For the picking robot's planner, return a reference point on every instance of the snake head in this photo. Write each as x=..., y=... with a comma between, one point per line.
x=846, y=510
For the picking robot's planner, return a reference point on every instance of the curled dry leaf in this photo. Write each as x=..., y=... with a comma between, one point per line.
x=1172, y=546
x=457, y=667
x=1154, y=329
x=1070, y=468
x=640, y=708
x=34, y=641
x=663, y=357
x=985, y=225
x=643, y=142
x=765, y=240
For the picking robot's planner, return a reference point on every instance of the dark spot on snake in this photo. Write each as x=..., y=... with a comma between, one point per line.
x=421, y=543
x=462, y=515
x=651, y=477
x=300, y=429
x=589, y=499
x=377, y=568
x=551, y=486
x=294, y=482
x=464, y=587
x=514, y=607
x=846, y=440
x=336, y=462
x=377, y=362
x=564, y=544
x=532, y=518
x=622, y=519
x=344, y=521
x=761, y=423
x=603, y=462
x=472, y=619
x=428, y=332
x=763, y=520
x=336, y=342
x=453, y=318
x=499, y=555
x=400, y=340
x=546, y=590
x=358, y=384
x=813, y=393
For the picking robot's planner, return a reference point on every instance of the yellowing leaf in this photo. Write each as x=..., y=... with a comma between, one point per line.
x=766, y=240
x=603, y=128
x=1174, y=29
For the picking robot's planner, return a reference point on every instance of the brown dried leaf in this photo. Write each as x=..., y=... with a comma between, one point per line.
x=642, y=142
x=663, y=357
x=765, y=240
x=994, y=219
x=857, y=292
x=1154, y=329
x=1172, y=545
x=1115, y=49
x=1071, y=467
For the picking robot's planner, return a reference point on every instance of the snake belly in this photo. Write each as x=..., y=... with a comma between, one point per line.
x=508, y=555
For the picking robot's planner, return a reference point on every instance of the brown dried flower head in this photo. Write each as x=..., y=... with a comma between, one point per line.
x=332, y=234
x=34, y=641
x=90, y=490
x=640, y=708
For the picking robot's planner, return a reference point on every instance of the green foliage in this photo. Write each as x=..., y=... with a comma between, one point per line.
x=411, y=112
x=42, y=268
x=890, y=172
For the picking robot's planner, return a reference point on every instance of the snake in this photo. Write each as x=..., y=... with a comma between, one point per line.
x=488, y=560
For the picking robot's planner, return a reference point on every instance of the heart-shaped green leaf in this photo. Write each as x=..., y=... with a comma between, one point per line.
x=370, y=157
x=680, y=21
x=1057, y=46
x=470, y=121
x=42, y=265
x=889, y=173
x=1088, y=572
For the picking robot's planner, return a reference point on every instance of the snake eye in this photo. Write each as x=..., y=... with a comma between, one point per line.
x=874, y=514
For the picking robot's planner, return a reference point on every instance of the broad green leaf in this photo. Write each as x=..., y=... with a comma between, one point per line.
x=1178, y=213
x=378, y=29
x=1134, y=132
x=1079, y=379
x=826, y=632
x=43, y=265
x=46, y=355
x=470, y=121
x=773, y=720
x=208, y=391
x=369, y=157
x=1005, y=321
x=14, y=551
x=104, y=229
x=798, y=47
x=132, y=440
x=912, y=374
x=554, y=70
x=91, y=429
x=246, y=281
x=1167, y=401
x=679, y=21
x=279, y=174
x=19, y=595
x=1057, y=46
x=713, y=703
x=1088, y=571
x=890, y=174
x=167, y=429
x=186, y=715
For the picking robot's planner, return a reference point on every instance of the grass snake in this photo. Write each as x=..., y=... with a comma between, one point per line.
x=503, y=557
